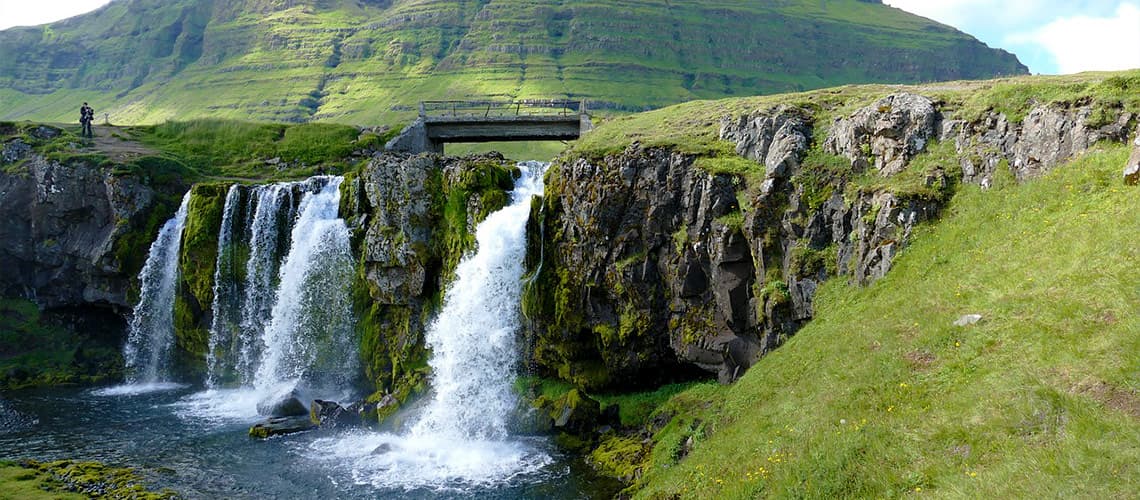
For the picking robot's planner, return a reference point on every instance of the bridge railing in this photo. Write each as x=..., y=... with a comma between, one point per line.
x=496, y=109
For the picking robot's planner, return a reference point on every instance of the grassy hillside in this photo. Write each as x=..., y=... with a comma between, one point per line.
x=882, y=396
x=369, y=62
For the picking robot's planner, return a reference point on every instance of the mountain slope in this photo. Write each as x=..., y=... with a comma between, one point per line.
x=369, y=61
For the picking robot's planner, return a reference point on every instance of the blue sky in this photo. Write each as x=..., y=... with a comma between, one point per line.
x=1049, y=36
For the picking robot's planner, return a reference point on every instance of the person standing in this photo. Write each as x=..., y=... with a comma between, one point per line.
x=86, y=116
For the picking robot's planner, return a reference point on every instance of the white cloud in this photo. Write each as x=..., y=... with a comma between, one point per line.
x=34, y=12
x=1087, y=43
x=963, y=14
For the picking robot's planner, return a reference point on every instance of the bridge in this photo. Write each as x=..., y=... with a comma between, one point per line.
x=442, y=122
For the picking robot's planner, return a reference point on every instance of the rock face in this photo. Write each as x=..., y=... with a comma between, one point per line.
x=1048, y=136
x=413, y=218
x=652, y=266
x=63, y=241
x=887, y=134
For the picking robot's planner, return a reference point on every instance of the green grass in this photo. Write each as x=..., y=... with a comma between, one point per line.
x=228, y=148
x=636, y=408
x=68, y=479
x=18, y=482
x=881, y=396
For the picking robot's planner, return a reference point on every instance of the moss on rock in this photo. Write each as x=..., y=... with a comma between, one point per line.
x=63, y=478
x=197, y=259
x=621, y=457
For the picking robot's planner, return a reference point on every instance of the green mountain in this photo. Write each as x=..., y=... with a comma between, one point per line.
x=371, y=61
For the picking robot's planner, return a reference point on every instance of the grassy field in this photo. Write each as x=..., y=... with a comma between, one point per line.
x=882, y=396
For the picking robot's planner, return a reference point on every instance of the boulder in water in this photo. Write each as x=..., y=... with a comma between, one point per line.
x=286, y=404
x=278, y=426
x=330, y=414
x=383, y=449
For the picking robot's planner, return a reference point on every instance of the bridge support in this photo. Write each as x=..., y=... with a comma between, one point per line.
x=414, y=140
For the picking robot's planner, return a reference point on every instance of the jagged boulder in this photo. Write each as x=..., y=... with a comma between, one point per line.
x=1048, y=136
x=331, y=414
x=775, y=138
x=1051, y=135
x=573, y=412
x=887, y=134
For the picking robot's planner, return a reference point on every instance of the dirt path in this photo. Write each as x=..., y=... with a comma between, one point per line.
x=114, y=142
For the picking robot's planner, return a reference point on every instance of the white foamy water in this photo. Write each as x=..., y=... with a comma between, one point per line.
x=220, y=406
x=460, y=439
x=138, y=389
x=151, y=336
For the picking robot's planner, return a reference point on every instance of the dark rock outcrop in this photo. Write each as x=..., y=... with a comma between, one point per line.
x=1132, y=168
x=413, y=218
x=63, y=241
x=330, y=414
x=651, y=264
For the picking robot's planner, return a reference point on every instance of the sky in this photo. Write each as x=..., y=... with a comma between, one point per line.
x=1049, y=36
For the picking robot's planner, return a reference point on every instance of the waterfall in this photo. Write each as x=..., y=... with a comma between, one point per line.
x=273, y=204
x=310, y=331
x=473, y=339
x=226, y=323
x=151, y=337
x=460, y=439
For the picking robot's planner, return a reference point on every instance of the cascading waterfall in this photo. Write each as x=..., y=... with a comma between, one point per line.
x=461, y=437
x=273, y=203
x=282, y=310
x=225, y=325
x=473, y=339
x=310, y=334
x=151, y=336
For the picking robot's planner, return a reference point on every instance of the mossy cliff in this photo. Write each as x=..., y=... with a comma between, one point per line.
x=196, y=261
x=699, y=241
x=413, y=219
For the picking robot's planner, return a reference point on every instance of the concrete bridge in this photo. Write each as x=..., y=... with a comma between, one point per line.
x=441, y=122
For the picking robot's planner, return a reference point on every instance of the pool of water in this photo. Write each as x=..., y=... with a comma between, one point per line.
x=196, y=443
